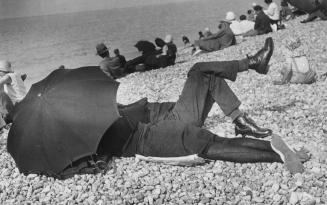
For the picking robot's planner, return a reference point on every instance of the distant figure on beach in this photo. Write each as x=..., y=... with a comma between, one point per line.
x=251, y=15
x=162, y=131
x=207, y=32
x=12, y=91
x=112, y=66
x=235, y=25
x=169, y=51
x=245, y=25
x=147, y=59
x=121, y=57
x=217, y=41
x=201, y=35
x=273, y=12
x=297, y=68
x=262, y=23
x=186, y=41
x=159, y=43
x=285, y=11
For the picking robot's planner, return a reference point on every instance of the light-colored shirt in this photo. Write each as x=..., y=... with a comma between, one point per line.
x=110, y=65
x=246, y=26
x=235, y=27
x=273, y=11
x=16, y=90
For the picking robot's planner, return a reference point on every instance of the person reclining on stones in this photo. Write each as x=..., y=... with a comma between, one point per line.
x=171, y=129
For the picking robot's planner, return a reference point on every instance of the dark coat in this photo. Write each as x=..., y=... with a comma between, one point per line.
x=220, y=40
x=262, y=23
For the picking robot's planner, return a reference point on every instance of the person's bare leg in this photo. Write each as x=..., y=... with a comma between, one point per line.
x=291, y=160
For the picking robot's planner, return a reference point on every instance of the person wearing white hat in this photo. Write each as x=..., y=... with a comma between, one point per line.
x=169, y=51
x=12, y=90
x=235, y=25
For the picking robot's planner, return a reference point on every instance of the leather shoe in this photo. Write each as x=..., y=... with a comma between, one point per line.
x=244, y=125
x=259, y=62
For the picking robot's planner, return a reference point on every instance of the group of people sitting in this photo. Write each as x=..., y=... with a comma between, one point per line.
x=257, y=22
x=151, y=58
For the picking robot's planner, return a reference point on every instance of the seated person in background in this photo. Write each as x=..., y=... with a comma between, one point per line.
x=12, y=91
x=146, y=61
x=121, y=57
x=272, y=12
x=201, y=35
x=207, y=32
x=297, y=69
x=261, y=25
x=186, y=41
x=170, y=50
x=217, y=41
x=112, y=66
x=235, y=25
x=319, y=12
x=286, y=12
x=251, y=15
x=168, y=55
x=159, y=43
x=245, y=25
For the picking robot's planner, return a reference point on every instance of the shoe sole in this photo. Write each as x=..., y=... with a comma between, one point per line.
x=290, y=159
x=248, y=133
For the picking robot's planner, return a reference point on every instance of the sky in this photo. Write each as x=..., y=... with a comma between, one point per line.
x=21, y=8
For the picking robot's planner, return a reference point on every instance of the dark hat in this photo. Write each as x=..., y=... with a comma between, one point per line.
x=101, y=48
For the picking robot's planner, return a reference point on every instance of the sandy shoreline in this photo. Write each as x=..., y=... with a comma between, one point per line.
x=304, y=124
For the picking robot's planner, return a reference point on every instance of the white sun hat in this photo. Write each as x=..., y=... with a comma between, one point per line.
x=230, y=16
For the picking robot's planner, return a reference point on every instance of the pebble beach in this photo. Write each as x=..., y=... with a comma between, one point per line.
x=296, y=112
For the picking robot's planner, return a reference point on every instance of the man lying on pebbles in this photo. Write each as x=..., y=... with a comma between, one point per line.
x=168, y=129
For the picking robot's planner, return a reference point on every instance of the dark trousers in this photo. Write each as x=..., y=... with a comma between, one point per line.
x=204, y=86
x=179, y=133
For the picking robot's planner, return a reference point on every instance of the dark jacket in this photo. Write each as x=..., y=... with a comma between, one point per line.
x=262, y=23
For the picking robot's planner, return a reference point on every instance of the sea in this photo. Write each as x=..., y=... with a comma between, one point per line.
x=39, y=44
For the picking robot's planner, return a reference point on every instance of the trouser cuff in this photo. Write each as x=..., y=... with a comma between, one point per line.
x=235, y=114
x=243, y=65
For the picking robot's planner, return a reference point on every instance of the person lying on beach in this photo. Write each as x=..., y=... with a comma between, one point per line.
x=217, y=41
x=320, y=11
x=262, y=23
x=12, y=91
x=186, y=41
x=297, y=68
x=112, y=66
x=169, y=130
